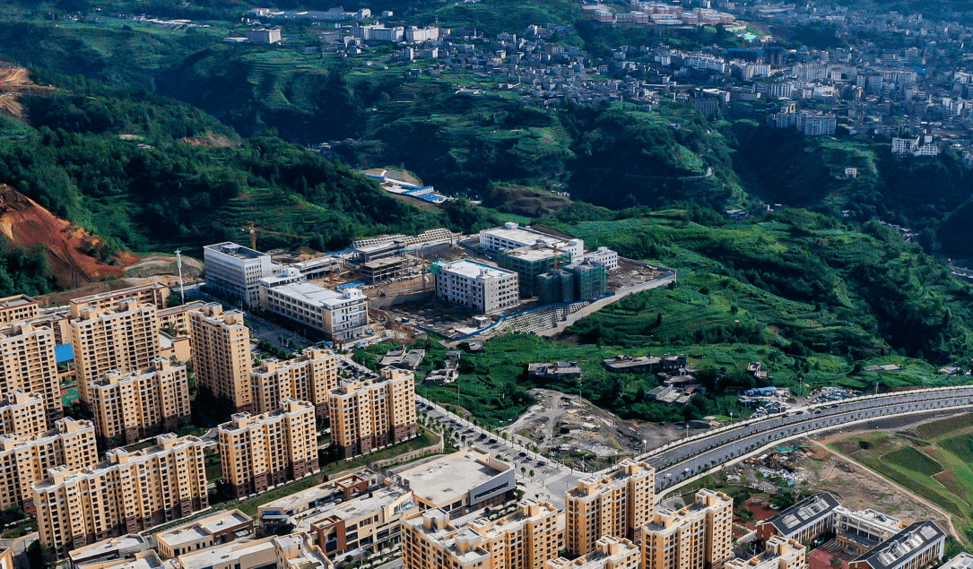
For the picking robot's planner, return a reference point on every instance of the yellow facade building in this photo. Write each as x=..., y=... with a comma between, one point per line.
x=267, y=450
x=526, y=539
x=27, y=363
x=129, y=492
x=779, y=553
x=698, y=536
x=608, y=553
x=25, y=459
x=369, y=415
x=151, y=293
x=310, y=377
x=124, y=337
x=18, y=308
x=129, y=407
x=221, y=357
x=617, y=505
x=23, y=413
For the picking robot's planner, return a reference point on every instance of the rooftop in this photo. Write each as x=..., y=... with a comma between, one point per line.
x=317, y=296
x=962, y=561
x=472, y=269
x=111, y=546
x=198, y=529
x=804, y=513
x=522, y=235
x=900, y=549
x=446, y=480
x=235, y=250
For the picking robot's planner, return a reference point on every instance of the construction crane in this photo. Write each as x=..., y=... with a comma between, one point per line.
x=253, y=230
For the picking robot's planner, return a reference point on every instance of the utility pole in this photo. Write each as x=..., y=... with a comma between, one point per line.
x=182, y=290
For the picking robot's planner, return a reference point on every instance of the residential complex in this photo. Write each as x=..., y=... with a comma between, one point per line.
x=609, y=553
x=220, y=527
x=221, y=357
x=698, y=536
x=618, y=505
x=339, y=315
x=129, y=492
x=18, y=308
x=23, y=414
x=24, y=459
x=803, y=521
x=526, y=539
x=232, y=271
x=129, y=407
x=28, y=364
x=155, y=294
x=487, y=482
x=476, y=286
x=369, y=521
x=124, y=337
x=267, y=450
x=779, y=553
x=919, y=545
x=309, y=377
x=368, y=415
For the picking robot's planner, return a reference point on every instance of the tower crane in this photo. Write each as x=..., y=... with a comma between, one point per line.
x=253, y=230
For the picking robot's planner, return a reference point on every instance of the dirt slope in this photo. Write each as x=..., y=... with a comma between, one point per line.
x=14, y=82
x=70, y=249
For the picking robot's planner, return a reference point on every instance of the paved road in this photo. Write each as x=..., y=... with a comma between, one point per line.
x=685, y=459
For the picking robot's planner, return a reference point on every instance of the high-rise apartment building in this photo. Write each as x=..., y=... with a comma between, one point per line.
x=526, y=539
x=23, y=414
x=698, y=536
x=25, y=459
x=27, y=363
x=310, y=377
x=124, y=338
x=129, y=407
x=18, y=308
x=369, y=415
x=617, y=505
x=609, y=553
x=232, y=271
x=779, y=553
x=221, y=357
x=129, y=492
x=267, y=450
x=151, y=293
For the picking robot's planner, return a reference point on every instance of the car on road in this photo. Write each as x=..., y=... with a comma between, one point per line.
x=542, y=463
x=522, y=454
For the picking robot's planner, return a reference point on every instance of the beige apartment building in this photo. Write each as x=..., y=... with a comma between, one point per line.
x=698, y=536
x=526, y=539
x=129, y=407
x=27, y=363
x=178, y=317
x=152, y=293
x=617, y=505
x=18, y=308
x=124, y=337
x=221, y=357
x=25, y=459
x=608, y=553
x=293, y=551
x=23, y=414
x=267, y=450
x=779, y=553
x=310, y=377
x=369, y=415
x=129, y=492
x=222, y=526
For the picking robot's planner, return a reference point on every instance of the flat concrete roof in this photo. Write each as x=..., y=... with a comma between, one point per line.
x=448, y=479
x=472, y=269
x=318, y=296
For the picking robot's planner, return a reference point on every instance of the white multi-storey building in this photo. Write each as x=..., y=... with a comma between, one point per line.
x=604, y=257
x=513, y=236
x=341, y=315
x=481, y=287
x=233, y=271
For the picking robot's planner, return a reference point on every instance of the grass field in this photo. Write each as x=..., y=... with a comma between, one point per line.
x=935, y=460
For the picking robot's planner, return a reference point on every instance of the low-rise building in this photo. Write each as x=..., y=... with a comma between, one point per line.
x=265, y=36
x=129, y=407
x=609, y=553
x=370, y=522
x=698, y=536
x=112, y=549
x=143, y=560
x=462, y=482
x=264, y=451
x=962, y=561
x=919, y=545
x=863, y=530
x=604, y=257
x=373, y=414
x=803, y=521
x=476, y=286
x=554, y=370
x=513, y=236
x=291, y=510
x=218, y=528
x=526, y=539
x=779, y=553
x=294, y=551
x=129, y=492
x=23, y=414
x=340, y=316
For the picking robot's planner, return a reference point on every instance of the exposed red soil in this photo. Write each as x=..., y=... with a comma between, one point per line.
x=69, y=248
x=819, y=559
